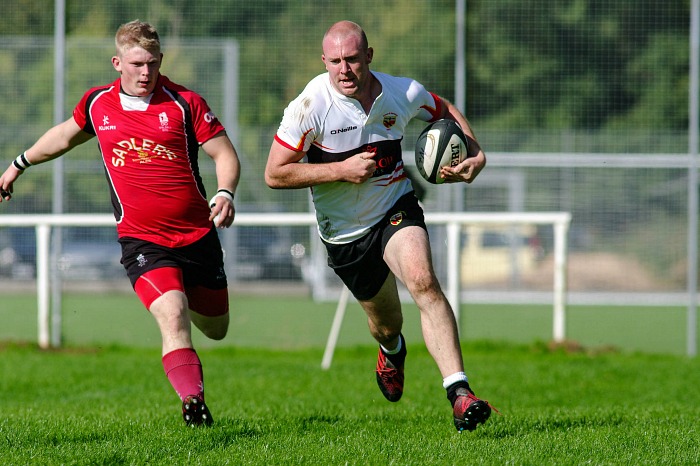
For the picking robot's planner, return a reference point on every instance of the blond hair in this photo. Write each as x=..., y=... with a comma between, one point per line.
x=137, y=34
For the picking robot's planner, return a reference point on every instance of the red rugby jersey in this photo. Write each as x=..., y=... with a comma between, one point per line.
x=149, y=147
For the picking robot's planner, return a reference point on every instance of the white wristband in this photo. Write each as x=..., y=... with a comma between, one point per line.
x=225, y=193
x=21, y=163
x=221, y=193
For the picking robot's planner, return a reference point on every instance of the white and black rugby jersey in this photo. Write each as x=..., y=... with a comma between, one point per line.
x=331, y=127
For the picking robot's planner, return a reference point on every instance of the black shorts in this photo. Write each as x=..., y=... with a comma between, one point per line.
x=202, y=262
x=360, y=264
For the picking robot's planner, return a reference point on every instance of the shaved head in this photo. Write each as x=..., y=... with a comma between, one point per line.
x=344, y=29
x=347, y=57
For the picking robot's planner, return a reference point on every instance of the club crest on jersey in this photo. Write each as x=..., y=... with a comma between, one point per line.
x=163, y=118
x=389, y=120
x=396, y=218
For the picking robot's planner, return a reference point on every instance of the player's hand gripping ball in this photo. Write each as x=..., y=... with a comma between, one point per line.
x=440, y=144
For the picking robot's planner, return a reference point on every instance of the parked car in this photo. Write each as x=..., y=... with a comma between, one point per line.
x=18, y=252
x=90, y=253
x=267, y=252
x=498, y=255
x=93, y=253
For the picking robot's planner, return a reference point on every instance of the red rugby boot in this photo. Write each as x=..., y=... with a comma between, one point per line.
x=469, y=411
x=389, y=378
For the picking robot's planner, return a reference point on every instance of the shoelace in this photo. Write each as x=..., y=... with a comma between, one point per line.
x=473, y=397
x=386, y=372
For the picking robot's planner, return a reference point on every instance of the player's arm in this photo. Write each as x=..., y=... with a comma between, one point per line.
x=228, y=172
x=468, y=170
x=283, y=170
x=52, y=144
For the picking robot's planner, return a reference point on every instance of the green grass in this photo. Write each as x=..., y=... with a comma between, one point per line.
x=104, y=399
x=285, y=322
x=83, y=405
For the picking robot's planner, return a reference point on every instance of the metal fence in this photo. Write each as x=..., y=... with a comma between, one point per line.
x=583, y=107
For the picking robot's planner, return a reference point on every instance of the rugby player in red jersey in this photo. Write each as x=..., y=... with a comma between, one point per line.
x=149, y=131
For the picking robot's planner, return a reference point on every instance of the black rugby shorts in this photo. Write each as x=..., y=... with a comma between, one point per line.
x=360, y=264
x=202, y=262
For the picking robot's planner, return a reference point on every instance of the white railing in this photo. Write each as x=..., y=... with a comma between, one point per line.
x=453, y=222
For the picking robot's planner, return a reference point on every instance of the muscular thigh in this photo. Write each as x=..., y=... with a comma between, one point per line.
x=407, y=253
x=196, y=270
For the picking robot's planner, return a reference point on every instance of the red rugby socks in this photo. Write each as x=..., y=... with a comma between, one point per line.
x=184, y=371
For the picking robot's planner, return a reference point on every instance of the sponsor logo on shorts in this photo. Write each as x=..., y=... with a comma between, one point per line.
x=397, y=218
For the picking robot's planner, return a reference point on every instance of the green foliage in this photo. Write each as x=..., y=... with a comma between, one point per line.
x=580, y=64
x=586, y=76
x=27, y=17
x=583, y=64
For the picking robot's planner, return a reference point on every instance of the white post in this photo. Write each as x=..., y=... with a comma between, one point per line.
x=58, y=188
x=335, y=328
x=453, y=272
x=559, y=318
x=693, y=143
x=43, y=234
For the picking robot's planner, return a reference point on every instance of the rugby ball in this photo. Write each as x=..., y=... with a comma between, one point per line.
x=440, y=144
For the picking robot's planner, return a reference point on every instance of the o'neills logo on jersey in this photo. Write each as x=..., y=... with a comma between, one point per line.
x=105, y=126
x=139, y=151
x=343, y=130
x=396, y=218
x=389, y=120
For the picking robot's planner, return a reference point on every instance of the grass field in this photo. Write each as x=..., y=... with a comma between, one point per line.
x=285, y=322
x=104, y=398
x=114, y=406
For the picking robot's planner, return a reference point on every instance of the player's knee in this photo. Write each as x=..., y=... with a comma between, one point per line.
x=386, y=334
x=215, y=333
x=214, y=328
x=421, y=282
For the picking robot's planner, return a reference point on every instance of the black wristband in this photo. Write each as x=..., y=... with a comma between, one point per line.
x=230, y=193
x=21, y=163
x=23, y=157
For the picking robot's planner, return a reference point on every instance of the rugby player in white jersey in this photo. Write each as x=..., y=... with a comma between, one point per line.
x=341, y=137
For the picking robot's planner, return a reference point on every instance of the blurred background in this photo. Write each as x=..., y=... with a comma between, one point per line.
x=580, y=105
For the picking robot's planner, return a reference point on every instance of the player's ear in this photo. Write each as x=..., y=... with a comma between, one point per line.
x=116, y=63
x=370, y=54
